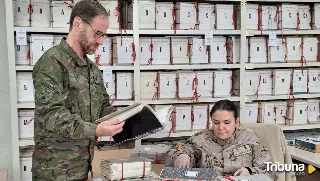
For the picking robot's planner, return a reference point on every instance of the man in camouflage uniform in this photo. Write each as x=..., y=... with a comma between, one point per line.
x=69, y=97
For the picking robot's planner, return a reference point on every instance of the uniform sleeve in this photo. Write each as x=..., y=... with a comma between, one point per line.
x=50, y=102
x=261, y=156
x=190, y=148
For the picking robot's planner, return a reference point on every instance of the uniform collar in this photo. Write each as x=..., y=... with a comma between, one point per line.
x=226, y=142
x=72, y=53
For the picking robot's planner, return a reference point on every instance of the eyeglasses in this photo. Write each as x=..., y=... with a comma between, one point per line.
x=98, y=34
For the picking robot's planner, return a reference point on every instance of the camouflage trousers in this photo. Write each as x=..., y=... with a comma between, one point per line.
x=46, y=176
x=50, y=169
x=60, y=177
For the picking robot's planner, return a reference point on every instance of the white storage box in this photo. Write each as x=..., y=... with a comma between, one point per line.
x=124, y=86
x=149, y=85
x=167, y=85
x=186, y=15
x=39, y=43
x=26, y=123
x=207, y=16
x=21, y=9
x=41, y=13
x=147, y=14
x=25, y=88
x=60, y=12
x=164, y=18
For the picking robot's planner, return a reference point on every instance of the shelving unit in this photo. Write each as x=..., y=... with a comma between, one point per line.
x=182, y=134
x=66, y=30
x=284, y=32
x=32, y=106
x=30, y=68
x=188, y=32
x=136, y=32
x=190, y=67
x=280, y=65
x=201, y=100
x=281, y=97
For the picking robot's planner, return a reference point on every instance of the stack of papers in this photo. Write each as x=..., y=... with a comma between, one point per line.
x=156, y=153
x=130, y=168
x=154, y=177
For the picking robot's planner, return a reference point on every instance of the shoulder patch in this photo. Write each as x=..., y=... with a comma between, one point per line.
x=265, y=148
x=46, y=92
x=180, y=148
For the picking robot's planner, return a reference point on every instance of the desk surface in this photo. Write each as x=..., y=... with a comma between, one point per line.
x=296, y=153
x=305, y=156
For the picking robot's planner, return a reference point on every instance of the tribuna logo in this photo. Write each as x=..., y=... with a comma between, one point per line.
x=278, y=167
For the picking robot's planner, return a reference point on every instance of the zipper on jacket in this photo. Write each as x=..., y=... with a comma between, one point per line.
x=89, y=72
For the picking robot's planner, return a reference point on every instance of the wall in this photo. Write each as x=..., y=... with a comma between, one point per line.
x=5, y=125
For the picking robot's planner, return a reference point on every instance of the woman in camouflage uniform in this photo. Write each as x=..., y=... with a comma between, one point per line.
x=231, y=151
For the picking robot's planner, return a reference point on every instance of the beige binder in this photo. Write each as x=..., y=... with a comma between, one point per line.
x=140, y=121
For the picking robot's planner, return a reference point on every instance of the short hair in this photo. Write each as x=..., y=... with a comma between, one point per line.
x=225, y=105
x=87, y=10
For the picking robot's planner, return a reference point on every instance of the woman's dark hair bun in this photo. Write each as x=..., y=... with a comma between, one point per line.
x=225, y=105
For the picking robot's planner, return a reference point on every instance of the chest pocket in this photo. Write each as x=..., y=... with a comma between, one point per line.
x=241, y=150
x=243, y=154
x=96, y=86
x=79, y=93
x=97, y=93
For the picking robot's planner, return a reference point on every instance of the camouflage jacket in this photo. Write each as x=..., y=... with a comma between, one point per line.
x=243, y=149
x=69, y=96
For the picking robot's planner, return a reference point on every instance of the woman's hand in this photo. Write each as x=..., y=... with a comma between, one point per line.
x=182, y=161
x=242, y=172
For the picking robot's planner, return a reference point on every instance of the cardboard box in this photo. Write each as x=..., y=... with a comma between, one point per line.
x=121, y=153
x=3, y=174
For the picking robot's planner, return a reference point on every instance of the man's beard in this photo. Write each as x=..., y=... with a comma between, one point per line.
x=84, y=45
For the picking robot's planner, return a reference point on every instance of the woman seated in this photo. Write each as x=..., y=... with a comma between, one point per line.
x=231, y=151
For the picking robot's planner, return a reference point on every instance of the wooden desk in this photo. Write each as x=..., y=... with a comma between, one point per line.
x=305, y=156
x=297, y=154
